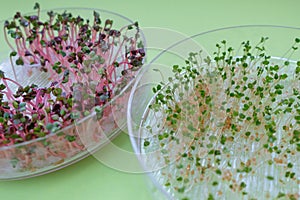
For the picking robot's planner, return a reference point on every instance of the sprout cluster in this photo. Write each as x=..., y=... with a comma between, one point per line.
x=228, y=125
x=87, y=62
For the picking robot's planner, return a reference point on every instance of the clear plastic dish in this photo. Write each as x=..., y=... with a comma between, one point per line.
x=75, y=142
x=221, y=122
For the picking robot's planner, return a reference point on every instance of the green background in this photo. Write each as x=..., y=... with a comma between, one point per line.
x=89, y=179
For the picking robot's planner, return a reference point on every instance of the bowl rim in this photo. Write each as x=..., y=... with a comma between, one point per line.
x=135, y=140
x=128, y=85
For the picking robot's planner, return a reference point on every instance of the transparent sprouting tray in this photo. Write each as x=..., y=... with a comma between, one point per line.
x=77, y=141
x=218, y=129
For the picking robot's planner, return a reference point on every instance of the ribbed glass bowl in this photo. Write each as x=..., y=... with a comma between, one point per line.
x=222, y=122
x=75, y=142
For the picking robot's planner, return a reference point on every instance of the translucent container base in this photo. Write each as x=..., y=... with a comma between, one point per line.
x=50, y=154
